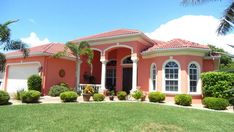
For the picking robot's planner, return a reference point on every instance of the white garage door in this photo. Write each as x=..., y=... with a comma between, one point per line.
x=18, y=75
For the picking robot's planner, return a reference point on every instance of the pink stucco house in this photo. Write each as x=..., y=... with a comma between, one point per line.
x=124, y=59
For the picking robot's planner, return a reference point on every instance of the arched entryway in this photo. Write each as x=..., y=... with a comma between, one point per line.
x=127, y=73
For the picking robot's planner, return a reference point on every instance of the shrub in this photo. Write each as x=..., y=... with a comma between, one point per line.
x=64, y=84
x=88, y=90
x=183, y=99
x=137, y=94
x=216, y=83
x=122, y=95
x=98, y=97
x=68, y=96
x=4, y=97
x=34, y=82
x=30, y=96
x=156, y=97
x=215, y=103
x=18, y=94
x=56, y=90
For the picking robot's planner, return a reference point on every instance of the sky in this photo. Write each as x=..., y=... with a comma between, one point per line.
x=44, y=21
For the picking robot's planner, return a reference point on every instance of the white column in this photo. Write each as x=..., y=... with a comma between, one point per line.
x=134, y=58
x=103, y=78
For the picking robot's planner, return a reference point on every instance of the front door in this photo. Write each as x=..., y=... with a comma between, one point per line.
x=127, y=79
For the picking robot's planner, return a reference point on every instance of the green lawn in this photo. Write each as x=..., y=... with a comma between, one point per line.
x=106, y=117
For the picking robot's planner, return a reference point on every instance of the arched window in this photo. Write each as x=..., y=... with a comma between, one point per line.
x=193, y=77
x=153, y=74
x=127, y=60
x=171, y=76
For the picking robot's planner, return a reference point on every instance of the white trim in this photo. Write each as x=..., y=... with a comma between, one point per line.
x=96, y=49
x=179, y=77
x=118, y=45
x=198, y=78
x=151, y=77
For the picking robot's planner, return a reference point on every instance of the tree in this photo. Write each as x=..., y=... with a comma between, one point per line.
x=225, y=60
x=226, y=22
x=7, y=44
x=78, y=50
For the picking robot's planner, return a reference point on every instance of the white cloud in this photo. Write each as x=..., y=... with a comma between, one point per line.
x=201, y=29
x=34, y=40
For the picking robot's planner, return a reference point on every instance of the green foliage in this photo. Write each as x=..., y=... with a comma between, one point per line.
x=2, y=62
x=122, y=95
x=216, y=83
x=34, y=82
x=4, y=97
x=98, y=97
x=56, y=90
x=183, y=99
x=17, y=95
x=137, y=94
x=88, y=90
x=215, y=103
x=156, y=97
x=30, y=96
x=64, y=84
x=68, y=96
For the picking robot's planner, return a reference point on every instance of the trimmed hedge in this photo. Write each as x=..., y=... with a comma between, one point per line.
x=34, y=82
x=4, y=97
x=156, y=97
x=122, y=95
x=214, y=84
x=183, y=99
x=56, y=90
x=137, y=94
x=68, y=96
x=215, y=103
x=98, y=97
x=30, y=96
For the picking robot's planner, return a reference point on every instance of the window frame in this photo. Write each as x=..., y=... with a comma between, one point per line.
x=151, y=77
x=164, y=79
x=198, y=88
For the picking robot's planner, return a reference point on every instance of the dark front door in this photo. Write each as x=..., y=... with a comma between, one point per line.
x=127, y=79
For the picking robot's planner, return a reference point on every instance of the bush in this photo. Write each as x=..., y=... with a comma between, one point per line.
x=98, y=97
x=88, y=90
x=56, y=90
x=122, y=95
x=4, y=97
x=156, y=97
x=137, y=94
x=18, y=94
x=34, y=82
x=68, y=96
x=183, y=99
x=216, y=83
x=215, y=103
x=30, y=96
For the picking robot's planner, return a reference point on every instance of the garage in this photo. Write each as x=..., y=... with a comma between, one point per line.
x=18, y=75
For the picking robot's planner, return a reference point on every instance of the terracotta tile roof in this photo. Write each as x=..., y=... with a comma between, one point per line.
x=176, y=43
x=111, y=34
x=51, y=48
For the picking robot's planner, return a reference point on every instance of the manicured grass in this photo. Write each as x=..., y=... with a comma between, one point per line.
x=106, y=117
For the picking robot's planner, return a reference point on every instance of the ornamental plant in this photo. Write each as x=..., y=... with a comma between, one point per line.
x=137, y=94
x=98, y=97
x=122, y=95
x=34, y=82
x=88, y=90
x=56, y=90
x=68, y=96
x=183, y=99
x=4, y=97
x=30, y=96
x=215, y=103
x=156, y=97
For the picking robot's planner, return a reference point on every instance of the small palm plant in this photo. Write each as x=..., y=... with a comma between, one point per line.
x=77, y=50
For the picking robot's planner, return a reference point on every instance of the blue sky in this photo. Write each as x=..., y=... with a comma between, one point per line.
x=63, y=20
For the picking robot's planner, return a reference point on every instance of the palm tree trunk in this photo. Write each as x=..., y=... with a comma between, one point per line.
x=78, y=62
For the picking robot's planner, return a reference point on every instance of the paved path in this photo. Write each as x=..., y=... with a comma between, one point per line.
x=53, y=100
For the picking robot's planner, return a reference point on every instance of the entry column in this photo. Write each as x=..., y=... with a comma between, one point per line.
x=134, y=59
x=103, y=78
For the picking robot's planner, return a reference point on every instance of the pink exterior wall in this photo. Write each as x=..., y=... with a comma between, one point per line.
x=50, y=70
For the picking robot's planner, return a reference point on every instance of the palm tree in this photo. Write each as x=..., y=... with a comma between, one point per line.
x=226, y=22
x=78, y=50
x=7, y=44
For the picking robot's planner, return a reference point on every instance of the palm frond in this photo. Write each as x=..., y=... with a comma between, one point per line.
x=88, y=52
x=83, y=44
x=227, y=22
x=2, y=62
x=5, y=32
x=9, y=22
x=17, y=45
x=74, y=48
x=61, y=53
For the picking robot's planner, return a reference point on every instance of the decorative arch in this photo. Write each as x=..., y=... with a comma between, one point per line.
x=96, y=49
x=126, y=58
x=118, y=46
